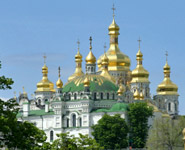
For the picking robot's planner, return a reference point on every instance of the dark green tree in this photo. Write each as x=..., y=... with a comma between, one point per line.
x=70, y=142
x=138, y=115
x=111, y=132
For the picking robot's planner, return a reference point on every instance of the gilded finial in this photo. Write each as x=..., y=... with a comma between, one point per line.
x=113, y=8
x=139, y=40
x=59, y=72
x=90, y=39
x=44, y=58
x=23, y=89
x=166, y=56
x=78, y=42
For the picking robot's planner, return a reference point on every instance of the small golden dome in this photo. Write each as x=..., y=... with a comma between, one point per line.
x=136, y=95
x=113, y=28
x=141, y=96
x=99, y=64
x=167, y=87
x=139, y=74
x=59, y=82
x=90, y=59
x=45, y=85
x=86, y=82
x=78, y=57
x=121, y=90
x=104, y=60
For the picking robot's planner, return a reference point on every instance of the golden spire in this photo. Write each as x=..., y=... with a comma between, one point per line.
x=78, y=60
x=139, y=74
x=104, y=63
x=45, y=85
x=86, y=82
x=136, y=95
x=24, y=93
x=167, y=87
x=90, y=59
x=59, y=83
x=121, y=90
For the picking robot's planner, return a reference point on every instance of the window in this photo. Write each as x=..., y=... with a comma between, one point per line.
x=39, y=101
x=51, y=136
x=94, y=96
x=113, y=96
x=175, y=107
x=101, y=95
x=67, y=123
x=69, y=96
x=107, y=95
x=80, y=122
x=75, y=97
x=169, y=106
x=74, y=120
x=92, y=69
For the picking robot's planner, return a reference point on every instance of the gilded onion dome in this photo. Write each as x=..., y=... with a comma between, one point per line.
x=59, y=82
x=118, y=61
x=90, y=59
x=78, y=69
x=136, y=95
x=139, y=74
x=121, y=90
x=167, y=87
x=45, y=85
x=105, y=73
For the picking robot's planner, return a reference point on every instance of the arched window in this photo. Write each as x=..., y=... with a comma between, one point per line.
x=51, y=136
x=175, y=107
x=69, y=96
x=67, y=122
x=75, y=97
x=91, y=69
x=80, y=122
x=101, y=95
x=94, y=96
x=74, y=120
x=39, y=101
x=107, y=95
x=113, y=96
x=169, y=106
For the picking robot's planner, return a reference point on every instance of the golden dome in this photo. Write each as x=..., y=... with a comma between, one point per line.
x=118, y=61
x=105, y=73
x=45, y=85
x=59, y=82
x=136, y=95
x=139, y=74
x=141, y=96
x=167, y=87
x=90, y=59
x=78, y=69
x=121, y=90
x=86, y=82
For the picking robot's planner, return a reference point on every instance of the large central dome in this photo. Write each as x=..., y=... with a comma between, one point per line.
x=118, y=61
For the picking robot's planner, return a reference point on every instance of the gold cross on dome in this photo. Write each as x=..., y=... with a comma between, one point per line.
x=113, y=8
x=105, y=47
x=59, y=71
x=166, y=55
x=44, y=58
x=78, y=42
x=90, y=39
x=139, y=40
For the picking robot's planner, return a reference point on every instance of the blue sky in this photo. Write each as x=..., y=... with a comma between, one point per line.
x=28, y=29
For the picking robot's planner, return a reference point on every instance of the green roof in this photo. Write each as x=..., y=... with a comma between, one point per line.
x=105, y=86
x=118, y=107
x=37, y=113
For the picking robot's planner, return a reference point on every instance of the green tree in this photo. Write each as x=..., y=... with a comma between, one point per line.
x=15, y=134
x=138, y=115
x=70, y=142
x=166, y=133
x=111, y=132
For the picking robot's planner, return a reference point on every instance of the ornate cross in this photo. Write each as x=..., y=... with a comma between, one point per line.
x=139, y=40
x=105, y=47
x=44, y=58
x=166, y=55
x=59, y=71
x=78, y=42
x=90, y=39
x=113, y=8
